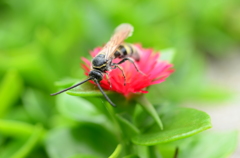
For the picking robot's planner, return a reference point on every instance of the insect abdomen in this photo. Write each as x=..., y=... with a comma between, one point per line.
x=126, y=50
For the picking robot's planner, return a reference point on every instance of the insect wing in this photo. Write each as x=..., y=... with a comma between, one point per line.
x=120, y=34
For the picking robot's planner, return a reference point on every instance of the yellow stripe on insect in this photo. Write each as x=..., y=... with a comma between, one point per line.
x=99, y=66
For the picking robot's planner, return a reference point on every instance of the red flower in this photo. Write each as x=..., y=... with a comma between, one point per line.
x=155, y=70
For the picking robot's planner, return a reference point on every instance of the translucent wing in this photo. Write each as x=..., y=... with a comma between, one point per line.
x=121, y=32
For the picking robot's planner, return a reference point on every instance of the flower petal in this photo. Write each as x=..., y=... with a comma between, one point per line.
x=155, y=72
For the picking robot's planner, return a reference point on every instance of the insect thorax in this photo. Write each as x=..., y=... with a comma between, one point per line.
x=99, y=62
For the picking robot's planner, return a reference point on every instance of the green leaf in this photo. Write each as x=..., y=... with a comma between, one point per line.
x=67, y=82
x=84, y=156
x=15, y=128
x=87, y=89
x=7, y=150
x=167, y=54
x=33, y=140
x=213, y=93
x=32, y=66
x=142, y=100
x=18, y=113
x=20, y=148
x=86, y=139
x=10, y=90
x=79, y=109
x=214, y=144
x=127, y=126
x=37, y=106
x=178, y=123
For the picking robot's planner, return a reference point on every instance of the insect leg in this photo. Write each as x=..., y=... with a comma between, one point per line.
x=132, y=61
x=120, y=68
x=114, y=66
x=108, y=79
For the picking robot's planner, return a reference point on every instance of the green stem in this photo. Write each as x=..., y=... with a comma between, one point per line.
x=153, y=153
x=116, y=152
x=113, y=117
x=142, y=100
x=122, y=132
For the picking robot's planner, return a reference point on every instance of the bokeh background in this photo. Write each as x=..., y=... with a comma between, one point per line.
x=41, y=42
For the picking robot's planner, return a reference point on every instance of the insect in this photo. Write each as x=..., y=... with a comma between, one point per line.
x=103, y=61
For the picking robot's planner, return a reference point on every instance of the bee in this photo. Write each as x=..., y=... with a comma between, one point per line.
x=103, y=61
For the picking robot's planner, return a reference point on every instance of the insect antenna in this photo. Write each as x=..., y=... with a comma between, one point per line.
x=176, y=152
x=101, y=90
x=72, y=86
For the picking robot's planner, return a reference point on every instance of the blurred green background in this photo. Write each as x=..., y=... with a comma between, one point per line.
x=41, y=42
